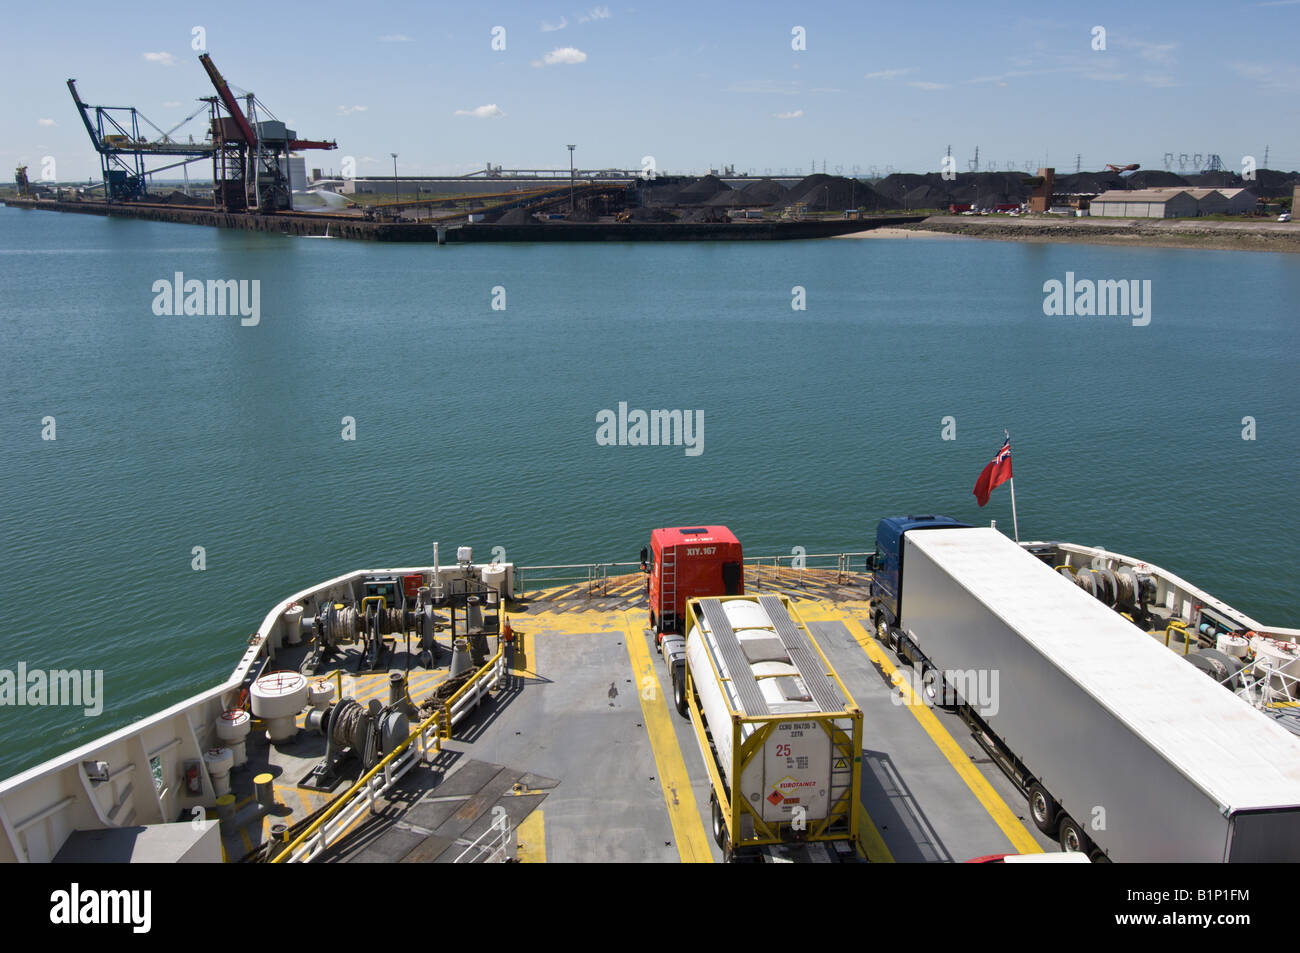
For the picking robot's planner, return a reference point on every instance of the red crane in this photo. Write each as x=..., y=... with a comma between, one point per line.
x=237, y=114
x=235, y=147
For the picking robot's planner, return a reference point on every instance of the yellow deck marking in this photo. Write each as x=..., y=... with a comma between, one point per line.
x=532, y=839
x=997, y=808
x=688, y=827
x=870, y=843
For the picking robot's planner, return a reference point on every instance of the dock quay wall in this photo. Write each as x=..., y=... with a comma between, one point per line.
x=340, y=226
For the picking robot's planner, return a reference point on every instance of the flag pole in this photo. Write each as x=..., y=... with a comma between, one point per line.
x=1015, y=525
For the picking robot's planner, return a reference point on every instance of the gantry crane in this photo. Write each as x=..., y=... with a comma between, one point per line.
x=115, y=132
x=248, y=152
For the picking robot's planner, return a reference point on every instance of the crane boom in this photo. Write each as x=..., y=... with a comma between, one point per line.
x=85, y=116
x=228, y=99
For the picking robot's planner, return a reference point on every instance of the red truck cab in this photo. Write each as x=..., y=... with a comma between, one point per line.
x=687, y=563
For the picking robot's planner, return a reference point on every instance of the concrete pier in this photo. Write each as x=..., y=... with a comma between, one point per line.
x=343, y=226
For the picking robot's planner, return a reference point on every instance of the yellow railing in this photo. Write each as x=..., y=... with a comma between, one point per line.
x=473, y=685
x=1181, y=627
x=441, y=721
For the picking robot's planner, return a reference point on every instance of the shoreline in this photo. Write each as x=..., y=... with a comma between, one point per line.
x=1254, y=235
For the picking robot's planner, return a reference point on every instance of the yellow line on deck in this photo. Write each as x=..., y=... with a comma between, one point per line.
x=532, y=839
x=997, y=808
x=688, y=827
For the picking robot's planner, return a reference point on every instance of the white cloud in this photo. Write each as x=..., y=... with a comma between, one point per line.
x=395, y=38
x=45, y=122
x=764, y=86
x=798, y=113
x=490, y=111
x=349, y=110
x=921, y=84
x=562, y=54
x=162, y=59
x=1156, y=52
x=1285, y=78
x=596, y=13
x=552, y=27
x=890, y=73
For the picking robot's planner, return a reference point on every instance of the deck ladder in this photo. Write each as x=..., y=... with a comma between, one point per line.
x=668, y=590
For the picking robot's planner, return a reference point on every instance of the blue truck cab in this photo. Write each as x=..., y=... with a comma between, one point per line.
x=887, y=564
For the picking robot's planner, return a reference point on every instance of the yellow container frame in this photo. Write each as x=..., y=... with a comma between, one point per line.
x=843, y=818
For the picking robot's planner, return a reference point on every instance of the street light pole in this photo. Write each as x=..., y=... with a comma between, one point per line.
x=571, y=148
x=394, y=155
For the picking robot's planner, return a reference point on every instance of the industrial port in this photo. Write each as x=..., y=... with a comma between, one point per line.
x=259, y=181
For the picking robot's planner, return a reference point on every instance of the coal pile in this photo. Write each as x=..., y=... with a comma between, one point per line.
x=1271, y=184
x=517, y=216
x=1154, y=179
x=765, y=192
x=895, y=186
x=1089, y=183
x=926, y=196
x=701, y=190
x=652, y=215
x=830, y=193
x=705, y=215
x=1215, y=180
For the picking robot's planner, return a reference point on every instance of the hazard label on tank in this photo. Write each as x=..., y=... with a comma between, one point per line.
x=797, y=768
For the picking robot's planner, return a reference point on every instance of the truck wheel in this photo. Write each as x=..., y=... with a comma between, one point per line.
x=1072, y=836
x=719, y=826
x=679, y=695
x=1098, y=856
x=882, y=630
x=1043, y=809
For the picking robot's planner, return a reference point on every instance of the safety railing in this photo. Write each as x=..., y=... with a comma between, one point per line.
x=364, y=795
x=490, y=847
x=772, y=570
x=468, y=696
x=1264, y=685
x=789, y=569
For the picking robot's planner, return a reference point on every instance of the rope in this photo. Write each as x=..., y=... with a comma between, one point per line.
x=347, y=725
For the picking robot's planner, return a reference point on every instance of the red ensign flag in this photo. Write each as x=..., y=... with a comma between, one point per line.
x=995, y=474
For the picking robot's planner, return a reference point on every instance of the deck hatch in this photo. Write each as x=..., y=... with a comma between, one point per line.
x=810, y=666
x=738, y=667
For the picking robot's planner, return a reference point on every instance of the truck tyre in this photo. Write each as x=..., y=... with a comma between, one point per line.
x=1044, y=810
x=1072, y=836
x=719, y=826
x=679, y=694
x=1098, y=856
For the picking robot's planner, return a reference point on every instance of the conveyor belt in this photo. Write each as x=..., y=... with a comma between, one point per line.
x=738, y=667
x=805, y=658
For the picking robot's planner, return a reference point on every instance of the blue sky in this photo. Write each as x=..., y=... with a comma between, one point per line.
x=878, y=86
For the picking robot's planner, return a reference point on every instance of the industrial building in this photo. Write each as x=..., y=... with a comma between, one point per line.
x=1240, y=201
x=1173, y=202
x=1144, y=203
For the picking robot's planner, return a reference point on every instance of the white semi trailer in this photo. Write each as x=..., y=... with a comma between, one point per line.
x=1124, y=751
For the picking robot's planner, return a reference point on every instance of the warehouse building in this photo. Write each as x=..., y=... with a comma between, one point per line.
x=1173, y=202
x=1240, y=201
x=1208, y=201
x=1145, y=203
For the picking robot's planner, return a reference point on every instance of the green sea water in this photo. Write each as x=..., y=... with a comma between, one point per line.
x=478, y=427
